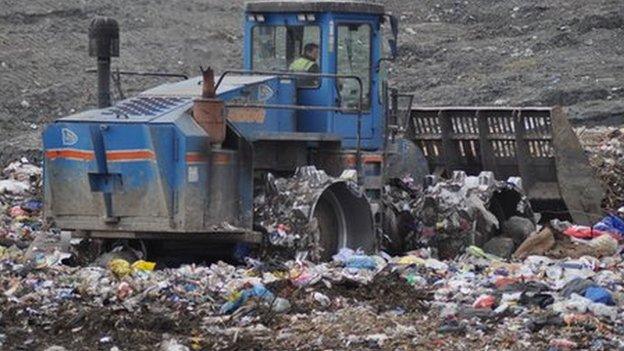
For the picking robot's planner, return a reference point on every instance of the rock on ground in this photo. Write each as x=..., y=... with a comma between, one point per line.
x=518, y=229
x=500, y=246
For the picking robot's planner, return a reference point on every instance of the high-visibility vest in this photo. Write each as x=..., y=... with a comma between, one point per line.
x=301, y=64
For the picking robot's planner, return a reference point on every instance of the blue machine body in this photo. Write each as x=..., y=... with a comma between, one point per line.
x=145, y=165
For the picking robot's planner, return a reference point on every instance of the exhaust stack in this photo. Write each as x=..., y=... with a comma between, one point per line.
x=208, y=110
x=103, y=44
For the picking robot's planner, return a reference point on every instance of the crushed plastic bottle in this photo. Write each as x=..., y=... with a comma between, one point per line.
x=361, y=262
x=563, y=344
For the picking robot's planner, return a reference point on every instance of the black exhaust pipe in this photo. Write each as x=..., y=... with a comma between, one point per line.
x=104, y=44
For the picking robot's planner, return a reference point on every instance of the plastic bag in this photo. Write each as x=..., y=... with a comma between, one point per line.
x=238, y=298
x=141, y=265
x=599, y=295
x=612, y=224
x=583, y=232
x=479, y=253
x=484, y=301
x=343, y=255
x=13, y=187
x=410, y=260
x=361, y=262
x=119, y=267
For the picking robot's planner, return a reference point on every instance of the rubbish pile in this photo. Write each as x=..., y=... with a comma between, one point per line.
x=355, y=301
x=562, y=239
x=20, y=204
x=510, y=284
x=605, y=146
x=453, y=214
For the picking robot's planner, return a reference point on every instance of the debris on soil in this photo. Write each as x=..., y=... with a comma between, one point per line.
x=407, y=302
x=563, y=289
x=20, y=204
x=453, y=214
x=605, y=146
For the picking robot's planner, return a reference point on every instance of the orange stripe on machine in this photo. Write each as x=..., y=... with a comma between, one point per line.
x=221, y=158
x=70, y=154
x=111, y=156
x=196, y=157
x=373, y=159
x=130, y=155
x=351, y=160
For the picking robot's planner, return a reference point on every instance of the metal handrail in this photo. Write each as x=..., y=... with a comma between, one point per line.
x=295, y=74
x=358, y=151
x=143, y=73
x=290, y=107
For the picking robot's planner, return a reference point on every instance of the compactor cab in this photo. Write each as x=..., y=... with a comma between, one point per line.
x=350, y=40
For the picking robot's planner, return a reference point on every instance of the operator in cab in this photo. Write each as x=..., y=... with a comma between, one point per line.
x=307, y=64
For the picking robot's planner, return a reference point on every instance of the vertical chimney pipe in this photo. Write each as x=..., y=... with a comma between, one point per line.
x=104, y=44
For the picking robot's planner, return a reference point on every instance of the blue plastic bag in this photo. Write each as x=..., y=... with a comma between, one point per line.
x=255, y=291
x=361, y=262
x=600, y=295
x=612, y=224
x=32, y=205
x=259, y=290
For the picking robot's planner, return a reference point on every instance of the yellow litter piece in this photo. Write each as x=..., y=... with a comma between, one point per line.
x=281, y=274
x=141, y=265
x=196, y=343
x=119, y=267
x=440, y=226
x=478, y=252
x=21, y=218
x=235, y=295
x=410, y=260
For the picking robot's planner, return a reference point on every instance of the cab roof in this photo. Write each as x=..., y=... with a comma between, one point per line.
x=315, y=6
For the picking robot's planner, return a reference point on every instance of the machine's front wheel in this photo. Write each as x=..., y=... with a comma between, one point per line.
x=344, y=219
x=330, y=225
x=312, y=215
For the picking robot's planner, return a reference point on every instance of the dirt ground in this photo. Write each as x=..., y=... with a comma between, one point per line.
x=477, y=52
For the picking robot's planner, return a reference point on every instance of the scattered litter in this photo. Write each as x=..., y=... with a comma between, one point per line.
x=172, y=345
x=484, y=301
x=360, y=300
x=453, y=214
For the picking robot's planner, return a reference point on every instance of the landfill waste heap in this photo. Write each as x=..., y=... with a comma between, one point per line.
x=559, y=287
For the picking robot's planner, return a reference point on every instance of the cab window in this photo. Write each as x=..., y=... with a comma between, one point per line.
x=269, y=48
x=354, y=52
x=275, y=48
